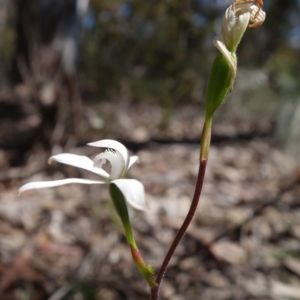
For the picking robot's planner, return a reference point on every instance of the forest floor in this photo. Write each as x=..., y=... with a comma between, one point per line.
x=244, y=243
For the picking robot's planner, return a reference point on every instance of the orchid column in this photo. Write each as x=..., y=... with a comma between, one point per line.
x=238, y=16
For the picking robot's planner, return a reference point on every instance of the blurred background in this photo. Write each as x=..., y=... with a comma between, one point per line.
x=76, y=71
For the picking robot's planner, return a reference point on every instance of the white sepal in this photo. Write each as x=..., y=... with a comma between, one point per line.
x=48, y=184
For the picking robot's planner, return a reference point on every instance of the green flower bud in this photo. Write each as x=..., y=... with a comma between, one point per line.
x=235, y=22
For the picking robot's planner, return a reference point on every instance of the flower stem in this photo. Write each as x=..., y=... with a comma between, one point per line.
x=205, y=145
x=120, y=205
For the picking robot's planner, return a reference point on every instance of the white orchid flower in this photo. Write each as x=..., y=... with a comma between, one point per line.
x=118, y=157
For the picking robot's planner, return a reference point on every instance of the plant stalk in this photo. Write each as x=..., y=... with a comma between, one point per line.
x=121, y=208
x=205, y=145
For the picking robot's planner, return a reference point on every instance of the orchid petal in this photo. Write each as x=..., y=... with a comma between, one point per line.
x=48, y=184
x=115, y=145
x=132, y=160
x=116, y=161
x=78, y=161
x=133, y=192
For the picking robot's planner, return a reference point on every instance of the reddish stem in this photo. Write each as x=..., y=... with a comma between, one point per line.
x=205, y=145
x=182, y=230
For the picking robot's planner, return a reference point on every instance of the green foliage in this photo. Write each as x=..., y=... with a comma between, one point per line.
x=7, y=41
x=86, y=292
x=164, y=52
x=219, y=85
x=155, y=46
x=120, y=205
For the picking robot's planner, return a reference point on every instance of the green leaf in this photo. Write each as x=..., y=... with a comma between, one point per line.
x=219, y=84
x=120, y=205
